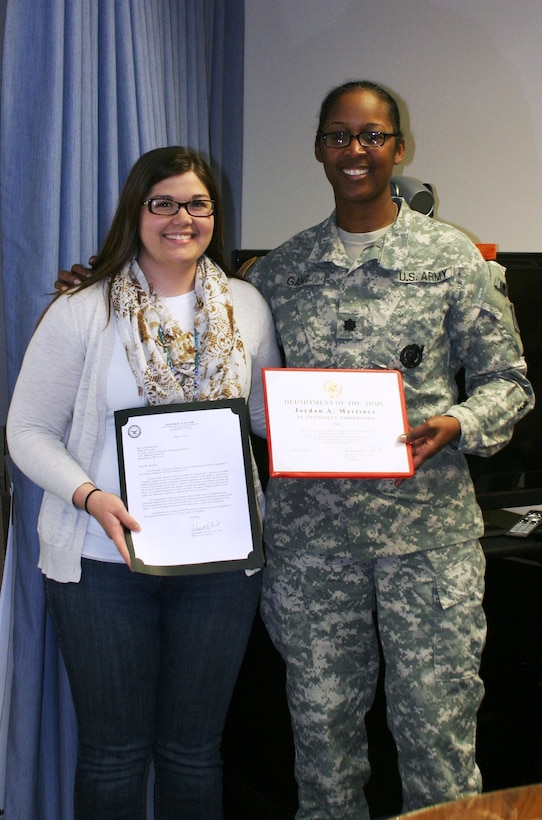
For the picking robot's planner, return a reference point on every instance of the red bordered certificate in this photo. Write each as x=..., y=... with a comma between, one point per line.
x=336, y=423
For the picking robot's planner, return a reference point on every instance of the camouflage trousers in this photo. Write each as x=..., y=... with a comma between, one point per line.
x=319, y=611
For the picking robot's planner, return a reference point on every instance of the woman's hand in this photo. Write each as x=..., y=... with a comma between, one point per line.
x=431, y=436
x=109, y=511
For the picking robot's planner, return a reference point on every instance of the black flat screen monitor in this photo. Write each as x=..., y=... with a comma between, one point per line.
x=513, y=476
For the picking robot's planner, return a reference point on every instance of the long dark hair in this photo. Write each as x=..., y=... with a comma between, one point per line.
x=361, y=85
x=122, y=241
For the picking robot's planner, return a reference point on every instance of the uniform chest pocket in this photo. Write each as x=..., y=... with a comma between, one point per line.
x=423, y=307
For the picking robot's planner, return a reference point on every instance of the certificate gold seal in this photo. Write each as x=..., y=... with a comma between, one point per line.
x=333, y=388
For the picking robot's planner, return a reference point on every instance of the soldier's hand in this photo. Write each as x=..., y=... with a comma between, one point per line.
x=70, y=278
x=430, y=437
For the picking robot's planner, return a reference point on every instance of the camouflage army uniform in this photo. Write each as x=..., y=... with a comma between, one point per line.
x=421, y=300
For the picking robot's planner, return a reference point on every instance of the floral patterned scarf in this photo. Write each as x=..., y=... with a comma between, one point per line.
x=173, y=365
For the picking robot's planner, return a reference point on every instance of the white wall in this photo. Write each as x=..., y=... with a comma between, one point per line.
x=468, y=77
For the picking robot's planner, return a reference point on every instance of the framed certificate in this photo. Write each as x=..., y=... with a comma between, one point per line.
x=336, y=423
x=186, y=477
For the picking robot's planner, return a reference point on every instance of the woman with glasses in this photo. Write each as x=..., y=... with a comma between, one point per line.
x=351, y=561
x=152, y=660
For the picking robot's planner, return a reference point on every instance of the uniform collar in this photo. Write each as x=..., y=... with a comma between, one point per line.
x=390, y=250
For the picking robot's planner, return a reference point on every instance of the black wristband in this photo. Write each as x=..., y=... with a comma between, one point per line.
x=95, y=490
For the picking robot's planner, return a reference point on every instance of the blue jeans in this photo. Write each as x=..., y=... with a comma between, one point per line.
x=152, y=663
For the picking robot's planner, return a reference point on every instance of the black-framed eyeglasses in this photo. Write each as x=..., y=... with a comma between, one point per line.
x=367, y=139
x=165, y=206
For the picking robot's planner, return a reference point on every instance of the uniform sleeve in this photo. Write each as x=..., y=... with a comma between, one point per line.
x=41, y=410
x=267, y=355
x=488, y=344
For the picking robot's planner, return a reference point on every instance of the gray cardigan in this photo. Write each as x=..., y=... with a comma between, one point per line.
x=56, y=421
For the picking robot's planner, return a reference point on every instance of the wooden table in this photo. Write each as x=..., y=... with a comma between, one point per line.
x=522, y=803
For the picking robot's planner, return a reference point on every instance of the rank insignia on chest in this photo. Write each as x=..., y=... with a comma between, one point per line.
x=349, y=325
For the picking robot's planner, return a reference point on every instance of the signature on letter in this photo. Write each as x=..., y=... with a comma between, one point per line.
x=207, y=526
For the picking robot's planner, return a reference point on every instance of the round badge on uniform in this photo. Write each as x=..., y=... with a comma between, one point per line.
x=411, y=355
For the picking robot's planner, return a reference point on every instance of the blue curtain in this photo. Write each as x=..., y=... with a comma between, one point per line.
x=87, y=87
